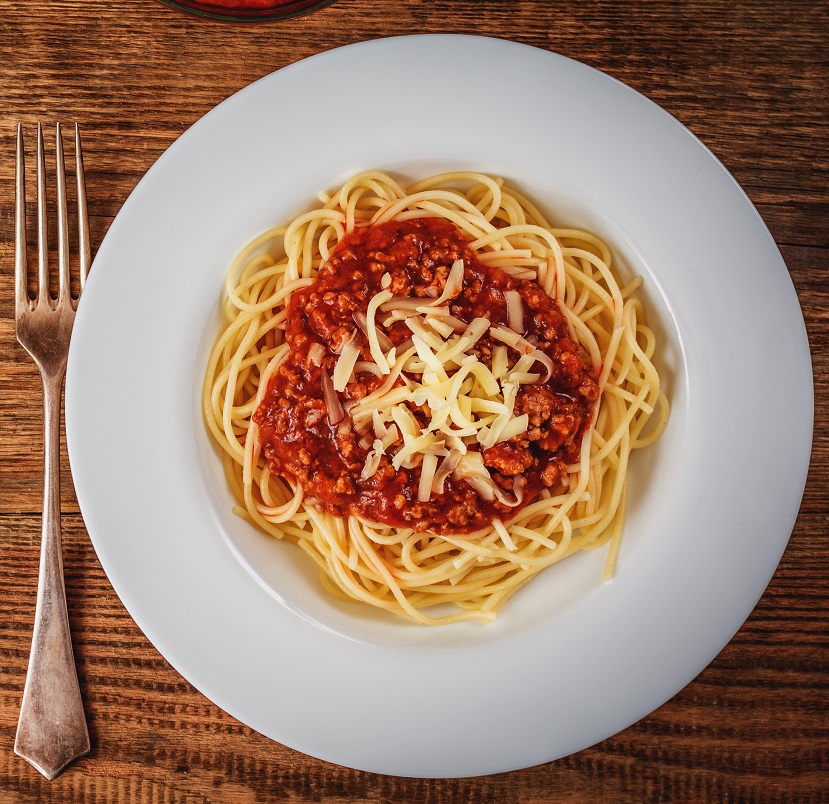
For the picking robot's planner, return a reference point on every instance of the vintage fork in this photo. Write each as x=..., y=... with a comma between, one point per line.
x=52, y=728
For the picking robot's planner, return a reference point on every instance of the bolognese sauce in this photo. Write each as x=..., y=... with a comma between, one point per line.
x=324, y=453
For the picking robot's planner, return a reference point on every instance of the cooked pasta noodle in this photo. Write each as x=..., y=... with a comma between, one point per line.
x=441, y=575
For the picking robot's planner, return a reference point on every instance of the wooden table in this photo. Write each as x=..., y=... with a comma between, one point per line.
x=749, y=78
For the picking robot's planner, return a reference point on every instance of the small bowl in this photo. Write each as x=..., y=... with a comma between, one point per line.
x=247, y=10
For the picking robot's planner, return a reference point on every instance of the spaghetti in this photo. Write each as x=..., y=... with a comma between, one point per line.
x=431, y=391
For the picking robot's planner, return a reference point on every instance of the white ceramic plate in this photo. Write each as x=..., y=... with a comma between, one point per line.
x=571, y=660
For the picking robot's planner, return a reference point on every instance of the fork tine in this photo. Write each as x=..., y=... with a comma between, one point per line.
x=83, y=216
x=21, y=293
x=42, y=229
x=63, y=230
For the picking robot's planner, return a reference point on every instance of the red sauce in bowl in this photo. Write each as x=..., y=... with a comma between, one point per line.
x=248, y=10
x=300, y=444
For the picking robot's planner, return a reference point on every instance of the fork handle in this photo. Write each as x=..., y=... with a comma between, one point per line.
x=52, y=728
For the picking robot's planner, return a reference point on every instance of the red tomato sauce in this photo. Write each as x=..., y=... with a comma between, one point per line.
x=300, y=444
x=256, y=7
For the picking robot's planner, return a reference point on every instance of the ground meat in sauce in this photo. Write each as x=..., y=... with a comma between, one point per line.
x=300, y=444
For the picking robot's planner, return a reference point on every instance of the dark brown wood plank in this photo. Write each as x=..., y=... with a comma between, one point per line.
x=750, y=79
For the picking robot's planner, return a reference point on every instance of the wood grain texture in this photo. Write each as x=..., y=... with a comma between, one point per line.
x=751, y=79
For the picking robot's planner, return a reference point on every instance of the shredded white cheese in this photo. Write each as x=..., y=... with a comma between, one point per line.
x=439, y=371
x=373, y=340
x=348, y=358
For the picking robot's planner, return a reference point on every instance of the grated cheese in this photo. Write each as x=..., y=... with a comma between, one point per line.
x=373, y=340
x=470, y=406
x=348, y=358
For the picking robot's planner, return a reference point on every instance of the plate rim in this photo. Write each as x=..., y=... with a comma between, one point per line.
x=296, y=626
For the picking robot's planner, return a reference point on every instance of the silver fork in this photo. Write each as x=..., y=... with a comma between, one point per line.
x=52, y=728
